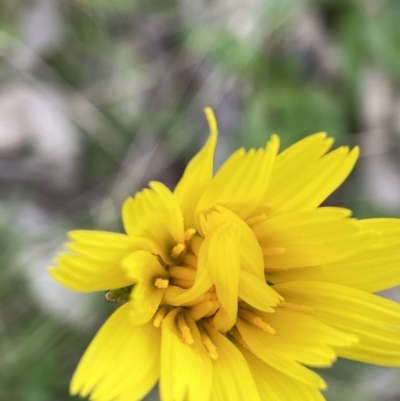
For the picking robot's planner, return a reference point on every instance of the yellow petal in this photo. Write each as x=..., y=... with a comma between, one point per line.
x=275, y=385
x=302, y=177
x=373, y=319
x=241, y=183
x=232, y=379
x=94, y=263
x=257, y=293
x=252, y=286
x=154, y=214
x=310, y=238
x=144, y=269
x=388, y=230
x=251, y=256
x=121, y=362
x=176, y=296
x=371, y=270
x=303, y=338
x=186, y=369
x=198, y=174
x=224, y=266
x=258, y=343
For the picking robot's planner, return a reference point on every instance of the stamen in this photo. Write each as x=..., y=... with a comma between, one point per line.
x=238, y=337
x=256, y=219
x=160, y=315
x=190, y=260
x=273, y=250
x=256, y=320
x=161, y=283
x=210, y=346
x=182, y=272
x=201, y=309
x=177, y=250
x=308, y=310
x=189, y=234
x=185, y=330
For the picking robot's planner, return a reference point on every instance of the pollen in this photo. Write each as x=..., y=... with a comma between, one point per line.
x=256, y=219
x=273, y=250
x=307, y=310
x=210, y=346
x=161, y=283
x=185, y=330
x=177, y=250
x=160, y=315
x=189, y=234
x=256, y=320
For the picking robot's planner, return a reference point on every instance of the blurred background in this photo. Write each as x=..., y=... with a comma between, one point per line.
x=98, y=97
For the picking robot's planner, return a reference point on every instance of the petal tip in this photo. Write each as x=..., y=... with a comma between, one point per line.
x=212, y=122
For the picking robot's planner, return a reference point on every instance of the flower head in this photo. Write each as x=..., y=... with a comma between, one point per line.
x=233, y=285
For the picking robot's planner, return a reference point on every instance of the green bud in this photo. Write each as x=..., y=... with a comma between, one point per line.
x=119, y=294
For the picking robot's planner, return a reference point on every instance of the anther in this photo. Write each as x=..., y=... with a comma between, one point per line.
x=273, y=250
x=177, y=250
x=308, y=310
x=189, y=234
x=210, y=346
x=238, y=337
x=185, y=330
x=160, y=315
x=256, y=320
x=256, y=219
x=161, y=283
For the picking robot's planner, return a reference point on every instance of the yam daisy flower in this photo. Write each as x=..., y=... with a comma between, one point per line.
x=233, y=285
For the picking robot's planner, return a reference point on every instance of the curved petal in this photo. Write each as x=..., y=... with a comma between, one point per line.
x=242, y=182
x=232, y=379
x=371, y=270
x=94, y=260
x=301, y=338
x=251, y=256
x=257, y=293
x=303, y=176
x=121, y=362
x=275, y=385
x=387, y=228
x=186, y=369
x=223, y=262
x=144, y=269
x=310, y=238
x=373, y=319
x=154, y=214
x=275, y=356
x=198, y=174
x=176, y=296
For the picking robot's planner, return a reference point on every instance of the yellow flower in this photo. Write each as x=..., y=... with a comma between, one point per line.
x=234, y=284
